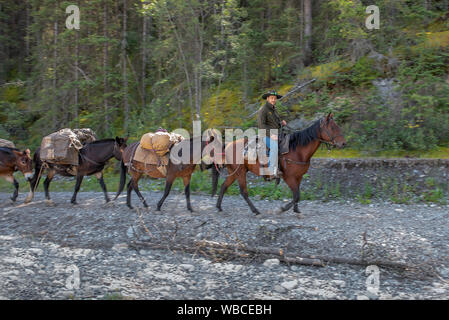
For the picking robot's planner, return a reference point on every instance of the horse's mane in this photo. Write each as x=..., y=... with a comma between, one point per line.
x=8, y=149
x=304, y=137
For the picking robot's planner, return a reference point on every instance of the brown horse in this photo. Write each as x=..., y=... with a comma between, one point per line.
x=303, y=144
x=11, y=160
x=138, y=169
x=92, y=159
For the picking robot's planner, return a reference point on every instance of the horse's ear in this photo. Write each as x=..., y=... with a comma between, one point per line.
x=125, y=139
x=117, y=139
x=329, y=116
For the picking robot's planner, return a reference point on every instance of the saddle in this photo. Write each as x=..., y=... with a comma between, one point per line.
x=251, y=147
x=151, y=159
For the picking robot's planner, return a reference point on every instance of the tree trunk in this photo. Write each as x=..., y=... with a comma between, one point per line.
x=144, y=59
x=308, y=31
x=105, y=67
x=184, y=60
x=77, y=53
x=55, y=75
x=125, y=75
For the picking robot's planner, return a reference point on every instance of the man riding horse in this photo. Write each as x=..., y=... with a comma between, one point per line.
x=268, y=118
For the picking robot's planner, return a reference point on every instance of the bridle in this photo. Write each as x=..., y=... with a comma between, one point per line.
x=331, y=142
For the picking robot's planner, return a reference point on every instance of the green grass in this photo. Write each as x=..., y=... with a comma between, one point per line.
x=437, y=153
x=317, y=189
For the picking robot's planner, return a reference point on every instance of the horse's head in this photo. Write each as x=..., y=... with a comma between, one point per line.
x=330, y=132
x=120, y=145
x=24, y=163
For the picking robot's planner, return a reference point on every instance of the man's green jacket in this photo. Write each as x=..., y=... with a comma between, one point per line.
x=268, y=118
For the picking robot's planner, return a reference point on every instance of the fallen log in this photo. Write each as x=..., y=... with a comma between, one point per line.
x=211, y=248
x=263, y=251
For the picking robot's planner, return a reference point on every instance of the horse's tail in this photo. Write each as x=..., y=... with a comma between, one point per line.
x=37, y=168
x=122, y=179
x=215, y=175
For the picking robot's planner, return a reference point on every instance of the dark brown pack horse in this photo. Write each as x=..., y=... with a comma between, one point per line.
x=138, y=169
x=92, y=159
x=11, y=160
x=303, y=144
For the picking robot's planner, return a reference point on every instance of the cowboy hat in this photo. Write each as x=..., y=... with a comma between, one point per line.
x=271, y=93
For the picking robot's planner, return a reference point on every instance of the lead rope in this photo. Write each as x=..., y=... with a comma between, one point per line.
x=216, y=166
x=44, y=164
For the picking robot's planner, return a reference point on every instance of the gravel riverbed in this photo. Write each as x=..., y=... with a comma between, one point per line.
x=44, y=246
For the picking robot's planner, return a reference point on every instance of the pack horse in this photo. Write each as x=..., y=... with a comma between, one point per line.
x=12, y=160
x=89, y=159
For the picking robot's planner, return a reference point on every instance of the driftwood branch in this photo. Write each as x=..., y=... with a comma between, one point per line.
x=222, y=251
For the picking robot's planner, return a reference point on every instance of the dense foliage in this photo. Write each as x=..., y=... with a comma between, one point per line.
x=136, y=65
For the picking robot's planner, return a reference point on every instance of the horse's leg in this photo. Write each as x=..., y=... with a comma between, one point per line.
x=50, y=175
x=129, y=189
x=244, y=192
x=16, y=189
x=99, y=176
x=79, y=180
x=298, y=196
x=135, y=177
x=168, y=183
x=186, y=181
x=215, y=176
x=293, y=184
x=34, y=182
x=229, y=180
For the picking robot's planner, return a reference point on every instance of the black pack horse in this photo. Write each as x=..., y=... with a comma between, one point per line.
x=92, y=159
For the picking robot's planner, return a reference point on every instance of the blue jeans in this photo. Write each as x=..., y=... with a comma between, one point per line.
x=273, y=158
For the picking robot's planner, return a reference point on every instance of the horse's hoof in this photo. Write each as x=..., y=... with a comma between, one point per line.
x=256, y=213
x=74, y=202
x=28, y=199
x=108, y=200
x=130, y=207
x=13, y=200
x=279, y=211
x=219, y=209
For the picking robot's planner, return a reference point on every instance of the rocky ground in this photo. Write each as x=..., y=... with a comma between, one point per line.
x=45, y=246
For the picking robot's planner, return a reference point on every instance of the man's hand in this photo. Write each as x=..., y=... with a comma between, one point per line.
x=283, y=123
